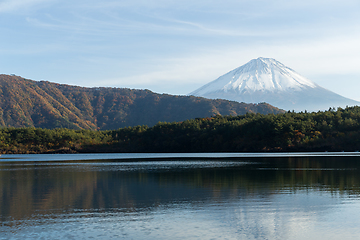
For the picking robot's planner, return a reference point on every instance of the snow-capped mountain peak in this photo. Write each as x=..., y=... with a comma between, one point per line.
x=267, y=80
x=261, y=74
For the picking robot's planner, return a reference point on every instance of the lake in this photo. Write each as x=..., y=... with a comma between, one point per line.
x=180, y=196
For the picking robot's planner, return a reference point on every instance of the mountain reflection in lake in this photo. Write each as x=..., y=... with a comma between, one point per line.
x=238, y=198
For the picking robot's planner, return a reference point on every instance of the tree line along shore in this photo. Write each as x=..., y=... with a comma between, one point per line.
x=332, y=130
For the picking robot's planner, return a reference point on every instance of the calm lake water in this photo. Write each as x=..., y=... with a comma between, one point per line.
x=180, y=196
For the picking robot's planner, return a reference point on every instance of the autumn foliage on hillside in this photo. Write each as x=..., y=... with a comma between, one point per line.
x=27, y=103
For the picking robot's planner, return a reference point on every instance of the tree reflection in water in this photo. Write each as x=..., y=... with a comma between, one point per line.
x=47, y=190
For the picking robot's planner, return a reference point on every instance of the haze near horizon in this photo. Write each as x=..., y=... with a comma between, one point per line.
x=176, y=47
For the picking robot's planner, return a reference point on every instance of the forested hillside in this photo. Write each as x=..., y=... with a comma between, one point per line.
x=333, y=130
x=27, y=103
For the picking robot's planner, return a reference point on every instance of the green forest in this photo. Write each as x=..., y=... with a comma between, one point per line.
x=332, y=130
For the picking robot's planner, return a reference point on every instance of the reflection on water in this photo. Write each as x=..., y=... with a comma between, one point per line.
x=244, y=198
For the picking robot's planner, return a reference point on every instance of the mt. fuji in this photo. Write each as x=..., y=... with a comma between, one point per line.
x=267, y=80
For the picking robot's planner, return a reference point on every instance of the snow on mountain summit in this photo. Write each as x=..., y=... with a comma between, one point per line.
x=261, y=74
x=267, y=80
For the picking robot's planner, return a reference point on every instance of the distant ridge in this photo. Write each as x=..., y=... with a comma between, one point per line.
x=28, y=103
x=267, y=80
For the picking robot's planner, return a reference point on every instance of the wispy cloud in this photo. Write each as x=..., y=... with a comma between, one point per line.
x=256, y=18
x=14, y=5
x=120, y=26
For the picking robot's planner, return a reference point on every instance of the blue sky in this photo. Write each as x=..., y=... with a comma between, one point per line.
x=177, y=46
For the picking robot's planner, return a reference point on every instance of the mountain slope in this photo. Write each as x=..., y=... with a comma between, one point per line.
x=27, y=103
x=267, y=80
